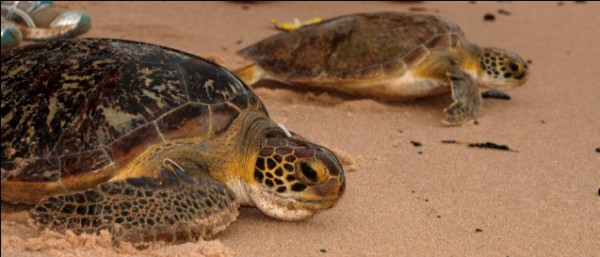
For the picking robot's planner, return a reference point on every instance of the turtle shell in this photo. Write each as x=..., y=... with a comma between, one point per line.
x=350, y=47
x=77, y=110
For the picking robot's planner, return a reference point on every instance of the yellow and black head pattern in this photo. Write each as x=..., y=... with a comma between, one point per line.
x=297, y=176
x=502, y=69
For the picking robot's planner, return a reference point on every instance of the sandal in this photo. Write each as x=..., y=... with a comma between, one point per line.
x=11, y=35
x=40, y=20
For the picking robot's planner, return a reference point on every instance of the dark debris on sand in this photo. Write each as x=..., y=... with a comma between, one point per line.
x=422, y=9
x=504, y=12
x=489, y=17
x=488, y=145
x=416, y=143
x=495, y=94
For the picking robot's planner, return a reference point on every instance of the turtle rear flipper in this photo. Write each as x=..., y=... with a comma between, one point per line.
x=467, y=102
x=250, y=74
x=173, y=208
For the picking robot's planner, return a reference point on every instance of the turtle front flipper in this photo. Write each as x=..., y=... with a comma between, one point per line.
x=467, y=101
x=173, y=207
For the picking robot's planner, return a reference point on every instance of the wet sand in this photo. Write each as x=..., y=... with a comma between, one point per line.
x=401, y=200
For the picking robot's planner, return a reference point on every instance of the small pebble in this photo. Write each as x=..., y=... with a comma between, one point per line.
x=598, y=150
x=323, y=251
x=439, y=216
x=529, y=61
x=238, y=42
x=489, y=17
x=505, y=12
x=417, y=9
x=478, y=230
x=416, y=144
x=413, y=191
x=420, y=152
x=543, y=121
x=426, y=200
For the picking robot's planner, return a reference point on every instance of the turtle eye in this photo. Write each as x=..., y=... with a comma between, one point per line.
x=308, y=172
x=311, y=172
x=513, y=66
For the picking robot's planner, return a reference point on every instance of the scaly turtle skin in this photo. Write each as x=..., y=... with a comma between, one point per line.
x=148, y=142
x=387, y=55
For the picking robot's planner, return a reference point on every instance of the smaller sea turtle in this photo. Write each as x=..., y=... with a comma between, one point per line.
x=387, y=55
x=149, y=143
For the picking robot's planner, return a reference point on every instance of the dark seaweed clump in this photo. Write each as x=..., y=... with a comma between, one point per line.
x=488, y=145
x=495, y=94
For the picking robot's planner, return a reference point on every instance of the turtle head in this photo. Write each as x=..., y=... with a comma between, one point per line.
x=502, y=69
x=294, y=179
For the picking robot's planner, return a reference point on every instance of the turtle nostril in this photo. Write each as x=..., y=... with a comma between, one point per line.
x=342, y=187
x=308, y=172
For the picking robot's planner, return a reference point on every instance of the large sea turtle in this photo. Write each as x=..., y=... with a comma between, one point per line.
x=387, y=55
x=148, y=142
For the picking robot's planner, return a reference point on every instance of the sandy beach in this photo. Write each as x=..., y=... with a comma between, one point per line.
x=401, y=200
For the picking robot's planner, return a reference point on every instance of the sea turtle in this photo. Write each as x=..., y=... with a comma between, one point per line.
x=148, y=142
x=388, y=55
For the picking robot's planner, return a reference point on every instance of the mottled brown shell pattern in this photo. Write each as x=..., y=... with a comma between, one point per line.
x=79, y=106
x=357, y=46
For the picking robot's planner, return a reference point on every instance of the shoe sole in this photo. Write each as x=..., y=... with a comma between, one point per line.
x=40, y=34
x=11, y=39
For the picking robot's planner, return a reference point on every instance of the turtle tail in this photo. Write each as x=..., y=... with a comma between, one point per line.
x=172, y=208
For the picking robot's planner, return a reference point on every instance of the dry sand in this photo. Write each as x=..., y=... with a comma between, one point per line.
x=540, y=201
